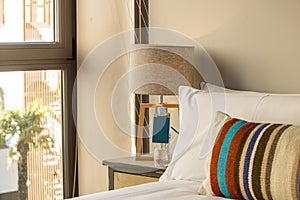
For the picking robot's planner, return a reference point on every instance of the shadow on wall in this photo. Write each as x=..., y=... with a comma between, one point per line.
x=232, y=78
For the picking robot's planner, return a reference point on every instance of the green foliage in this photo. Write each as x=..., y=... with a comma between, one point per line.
x=26, y=127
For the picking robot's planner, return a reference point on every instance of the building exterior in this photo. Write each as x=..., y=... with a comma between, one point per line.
x=26, y=21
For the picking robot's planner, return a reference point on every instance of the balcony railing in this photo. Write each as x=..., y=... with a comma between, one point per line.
x=31, y=33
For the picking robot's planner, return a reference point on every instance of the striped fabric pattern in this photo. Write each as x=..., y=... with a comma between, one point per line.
x=255, y=161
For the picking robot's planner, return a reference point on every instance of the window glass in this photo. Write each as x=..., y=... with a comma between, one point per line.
x=1, y=13
x=31, y=170
x=27, y=21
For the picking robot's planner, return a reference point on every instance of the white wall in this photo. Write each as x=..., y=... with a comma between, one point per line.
x=9, y=176
x=254, y=43
x=97, y=21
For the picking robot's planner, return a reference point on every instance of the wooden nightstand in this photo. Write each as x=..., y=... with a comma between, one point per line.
x=124, y=172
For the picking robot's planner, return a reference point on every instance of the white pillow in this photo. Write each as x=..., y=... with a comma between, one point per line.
x=197, y=109
x=285, y=104
x=215, y=88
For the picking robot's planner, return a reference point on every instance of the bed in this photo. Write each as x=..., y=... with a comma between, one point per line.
x=175, y=189
x=208, y=160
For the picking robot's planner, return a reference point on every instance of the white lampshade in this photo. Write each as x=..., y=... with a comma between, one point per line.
x=161, y=69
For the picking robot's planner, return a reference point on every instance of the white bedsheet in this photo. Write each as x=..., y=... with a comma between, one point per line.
x=176, y=189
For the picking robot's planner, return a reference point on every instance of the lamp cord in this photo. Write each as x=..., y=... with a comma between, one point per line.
x=173, y=129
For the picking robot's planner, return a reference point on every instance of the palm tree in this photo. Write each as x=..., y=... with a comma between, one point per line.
x=22, y=130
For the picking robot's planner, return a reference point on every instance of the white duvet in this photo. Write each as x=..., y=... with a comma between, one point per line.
x=176, y=189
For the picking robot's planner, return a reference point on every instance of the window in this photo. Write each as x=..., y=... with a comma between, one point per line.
x=40, y=168
x=43, y=28
x=38, y=54
x=39, y=23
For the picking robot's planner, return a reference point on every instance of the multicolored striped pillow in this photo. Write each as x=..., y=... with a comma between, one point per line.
x=254, y=161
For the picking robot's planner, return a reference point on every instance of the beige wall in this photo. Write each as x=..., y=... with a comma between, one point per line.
x=254, y=43
x=98, y=20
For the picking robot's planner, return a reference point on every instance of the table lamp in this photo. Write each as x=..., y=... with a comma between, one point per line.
x=160, y=70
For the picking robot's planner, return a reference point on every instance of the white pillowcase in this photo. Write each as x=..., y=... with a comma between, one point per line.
x=197, y=109
x=215, y=88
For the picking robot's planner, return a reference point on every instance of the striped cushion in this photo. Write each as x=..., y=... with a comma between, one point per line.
x=254, y=161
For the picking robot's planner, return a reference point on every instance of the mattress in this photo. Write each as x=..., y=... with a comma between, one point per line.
x=175, y=189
